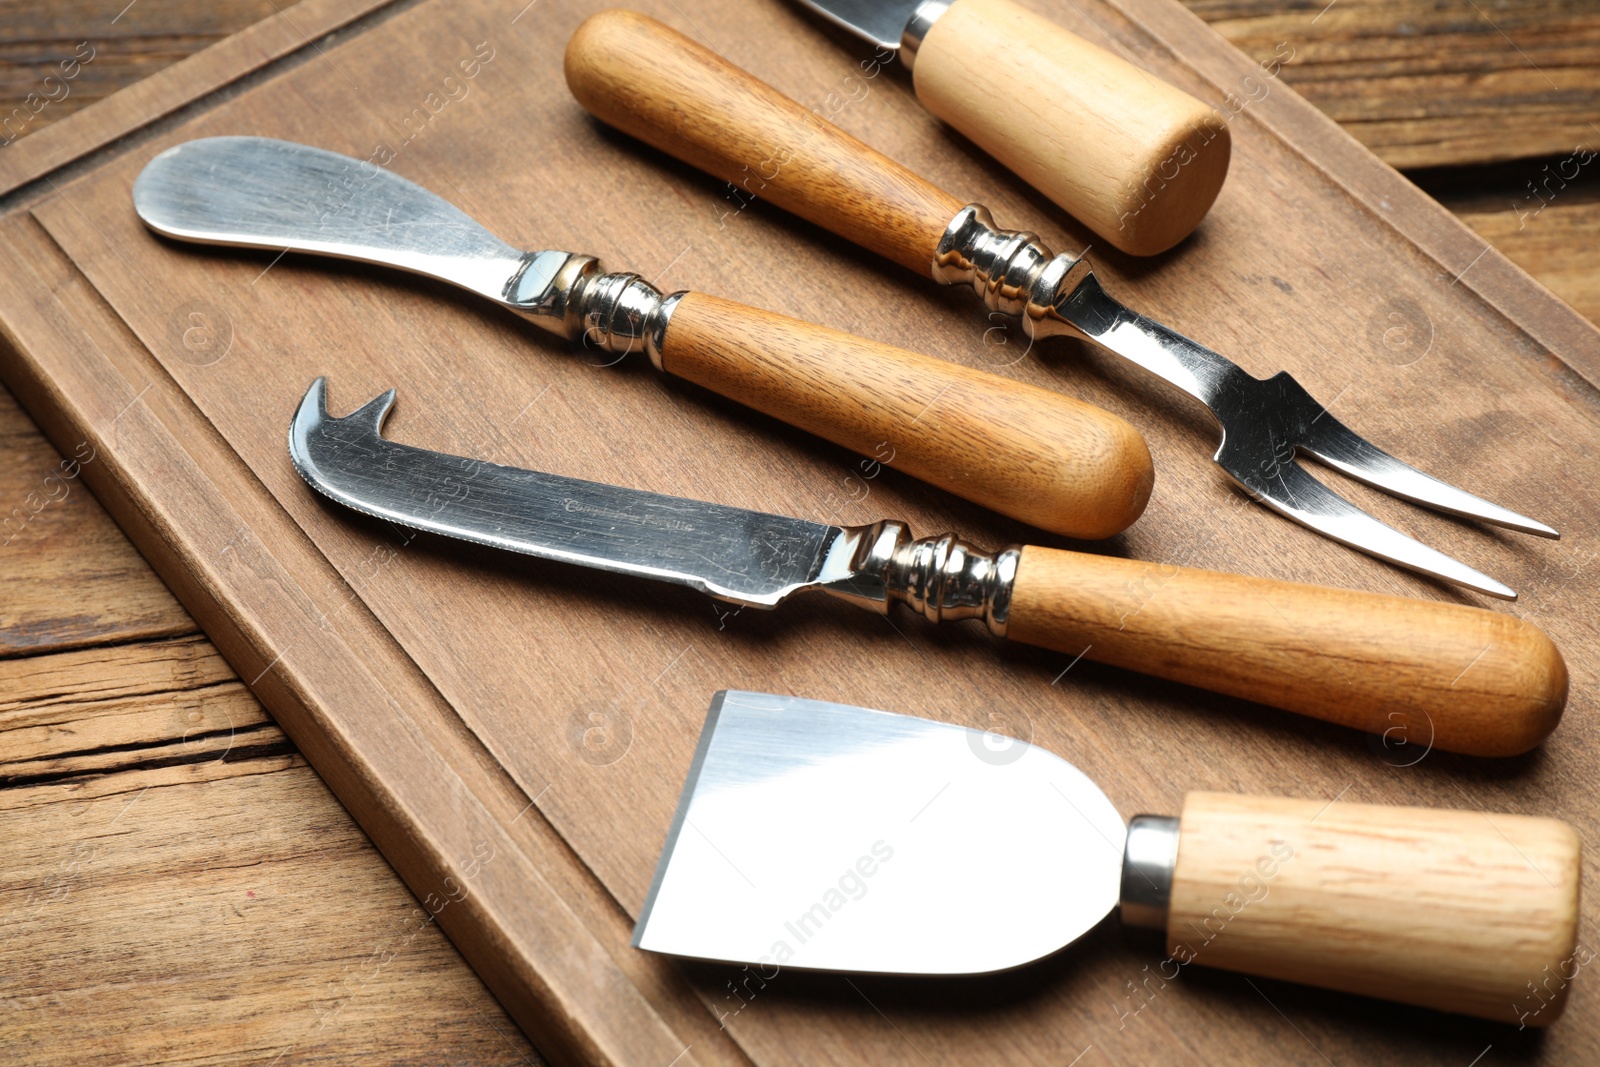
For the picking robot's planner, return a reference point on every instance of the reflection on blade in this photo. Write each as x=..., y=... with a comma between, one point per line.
x=1295, y=493
x=1341, y=447
x=1266, y=421
x=878, y=21
x=830, y=837
x=255, y=192
x=747, y=556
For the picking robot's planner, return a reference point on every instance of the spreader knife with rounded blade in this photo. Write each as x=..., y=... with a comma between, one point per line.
x=1445, y=675
x=1035, y=455
x=830, y=837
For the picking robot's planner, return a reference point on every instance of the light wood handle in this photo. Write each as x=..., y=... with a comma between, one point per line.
x=1460, y=911
x=652, y=82
x=1418, y=672
x=1032, y=454
x=1137, y=160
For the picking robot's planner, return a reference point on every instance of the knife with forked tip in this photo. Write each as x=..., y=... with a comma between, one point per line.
x=837, y=838
x=1445, y=675
x=1035, y=455
x=819, y=172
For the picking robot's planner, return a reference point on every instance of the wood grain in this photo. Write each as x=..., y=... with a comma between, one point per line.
x=610, y=820
x=68, y=576
x=143, y=39
x=1037, y=456
x=1434, y=84
x=656, y=84
x=1464, y=911
x=127, y=43
x=169, y=850
x=1136, y=160
x=1560, y=246
x=1461, y=679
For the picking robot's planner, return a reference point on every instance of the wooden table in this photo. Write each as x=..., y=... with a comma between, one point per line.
x=179, y=885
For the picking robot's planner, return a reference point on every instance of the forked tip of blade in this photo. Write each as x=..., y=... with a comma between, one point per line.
x=1539, y=529
x=1489, y=587
x=312, y=424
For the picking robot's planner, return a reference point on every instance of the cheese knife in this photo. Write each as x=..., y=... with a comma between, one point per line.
x=1040, y=457
x=634, y=73
x=828, y=837
x=1423, y=672
x=1134, y=158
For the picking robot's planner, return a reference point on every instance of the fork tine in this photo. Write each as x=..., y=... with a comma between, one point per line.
x=1294, y=492
x=1343, y=449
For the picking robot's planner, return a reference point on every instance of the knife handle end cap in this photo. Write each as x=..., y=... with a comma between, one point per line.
x=1134, y=158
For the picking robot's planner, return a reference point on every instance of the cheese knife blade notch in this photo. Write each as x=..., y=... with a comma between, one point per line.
x=1443, y=675
x=646, y=79
x=831, y=837
x=1134, y=158
x=1046, y=459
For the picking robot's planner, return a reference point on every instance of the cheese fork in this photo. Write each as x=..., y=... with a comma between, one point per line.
x=644, y=78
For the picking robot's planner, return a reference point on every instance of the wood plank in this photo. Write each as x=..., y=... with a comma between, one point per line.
x=68, y=576
x=1427, y=84
x=222, y=911
x=1543, y=214
x=168, y=840
x=1562, y=251
x=89, y=49
x=286, y=30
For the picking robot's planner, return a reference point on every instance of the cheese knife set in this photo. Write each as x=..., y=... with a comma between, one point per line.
x=938, y=827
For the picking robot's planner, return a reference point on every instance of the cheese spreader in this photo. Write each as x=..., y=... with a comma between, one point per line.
x=1035, y=455
x=1455, y=677
x=1134, y=158
x=828, y=837
x=633, y=72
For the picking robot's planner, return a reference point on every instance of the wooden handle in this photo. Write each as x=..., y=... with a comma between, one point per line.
x=652, y=82
x=1460, y=911
x=1416, y=671
x=1134, y=158
x=1035, y=455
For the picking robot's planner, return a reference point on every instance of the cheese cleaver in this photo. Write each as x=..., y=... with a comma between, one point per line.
x=1421, y=672
x=828, y=837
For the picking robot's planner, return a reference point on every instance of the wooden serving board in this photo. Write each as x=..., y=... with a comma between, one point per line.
x=513, y=733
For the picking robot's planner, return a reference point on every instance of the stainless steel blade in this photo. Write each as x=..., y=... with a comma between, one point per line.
x=830, y=837
x=1265, y=422
x=255, y=192
x=880, y=22
x=744, y=556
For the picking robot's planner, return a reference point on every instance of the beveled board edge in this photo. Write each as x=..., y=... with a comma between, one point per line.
x=136, y=106
x=544, y=935
x=1461, y=256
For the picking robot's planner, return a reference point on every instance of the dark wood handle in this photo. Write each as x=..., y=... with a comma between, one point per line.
x=1417, y=671
x=1035, y=455
x=1464, y=911
x=652, y=82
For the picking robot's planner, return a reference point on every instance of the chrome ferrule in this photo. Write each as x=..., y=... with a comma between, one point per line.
x=1148, y=860
x=622, y=313
x=1012, y=270
x=941, y=578
x=922, y=19
x=619, y=312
